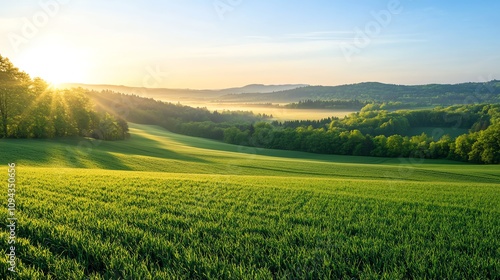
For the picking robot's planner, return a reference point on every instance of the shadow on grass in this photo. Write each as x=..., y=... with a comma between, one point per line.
x=203, y=143
x=143, y=146
x=77, y=152
x=69, y=152
x=27, y=150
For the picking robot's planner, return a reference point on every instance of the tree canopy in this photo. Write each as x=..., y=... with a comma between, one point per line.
x=30, y=108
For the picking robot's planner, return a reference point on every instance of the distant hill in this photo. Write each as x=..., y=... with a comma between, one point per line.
x=431, y=94
x=167, y=94
x=258, y=88
x=440, y=94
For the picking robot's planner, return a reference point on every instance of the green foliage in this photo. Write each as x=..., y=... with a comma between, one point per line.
x=31, y=109
x=14, y=94
x=361, y=134
x=463, y=145
x=487, y=147
x=322, y=104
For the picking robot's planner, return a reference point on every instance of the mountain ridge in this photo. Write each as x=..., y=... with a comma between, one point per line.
x=186, y=94
x=431, y=94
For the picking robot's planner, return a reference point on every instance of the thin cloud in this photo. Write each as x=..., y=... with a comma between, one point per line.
x=320, y=35
x=265, y=49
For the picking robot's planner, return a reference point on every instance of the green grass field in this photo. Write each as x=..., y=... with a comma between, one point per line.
x=166, y=206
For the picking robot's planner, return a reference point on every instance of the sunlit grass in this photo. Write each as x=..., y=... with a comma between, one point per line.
x=121, y=224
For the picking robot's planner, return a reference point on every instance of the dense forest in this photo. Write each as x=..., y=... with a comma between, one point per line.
x=29, y=108
x=374, y=132
x=330, y=104
x=348, y=105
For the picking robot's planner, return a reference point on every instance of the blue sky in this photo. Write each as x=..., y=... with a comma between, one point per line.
x=225, y=43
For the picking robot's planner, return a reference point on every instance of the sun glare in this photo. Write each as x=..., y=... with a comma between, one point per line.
x=55, y=63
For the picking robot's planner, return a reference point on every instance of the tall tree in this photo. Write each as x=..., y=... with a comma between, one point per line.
x=79, y=108
x=463, y=145
x=487, y=147
x=14, y=93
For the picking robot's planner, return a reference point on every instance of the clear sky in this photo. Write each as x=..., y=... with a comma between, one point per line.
x=225, y=43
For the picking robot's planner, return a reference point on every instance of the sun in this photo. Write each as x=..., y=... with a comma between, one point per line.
x=55, y=62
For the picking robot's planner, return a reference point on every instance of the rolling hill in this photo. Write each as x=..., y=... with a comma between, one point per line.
x=425, y=95
x=173, y=95
x=433, y=94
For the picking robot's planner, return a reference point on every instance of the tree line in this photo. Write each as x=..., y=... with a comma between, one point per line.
x=375, y=120
x=352, y=104
x=327, y=104
x=374, y=132
x=30, y=108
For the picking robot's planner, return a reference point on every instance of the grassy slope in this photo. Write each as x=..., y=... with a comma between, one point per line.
x=199, y=208
x=154, y=149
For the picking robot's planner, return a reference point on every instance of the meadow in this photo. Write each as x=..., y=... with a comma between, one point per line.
x=167, y=206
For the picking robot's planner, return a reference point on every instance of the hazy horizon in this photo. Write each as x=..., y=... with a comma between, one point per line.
x=222, y=44
x=252, y=84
